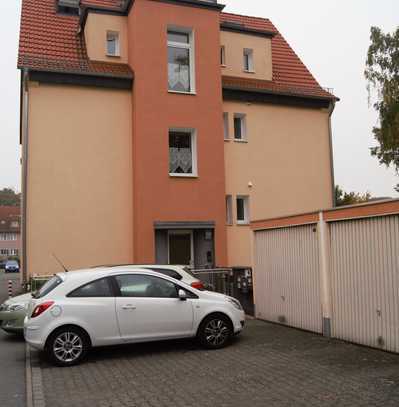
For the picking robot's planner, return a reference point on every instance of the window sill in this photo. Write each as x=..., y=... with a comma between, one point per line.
x=227, y=139
x=183, y=176
x=240, y=141
x=223, y=66
x=243, y=223
x=245, y=71
x=113, y=56
x=182, y=93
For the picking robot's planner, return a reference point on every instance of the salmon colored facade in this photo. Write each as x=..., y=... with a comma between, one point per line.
x=162, y=129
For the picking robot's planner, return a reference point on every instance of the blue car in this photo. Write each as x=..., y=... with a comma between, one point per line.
x=12, y=266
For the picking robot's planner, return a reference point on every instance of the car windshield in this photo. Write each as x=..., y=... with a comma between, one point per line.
x=12, y=263
x=48, y=287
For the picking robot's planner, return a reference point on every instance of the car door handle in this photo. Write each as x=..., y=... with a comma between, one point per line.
x=127, y=307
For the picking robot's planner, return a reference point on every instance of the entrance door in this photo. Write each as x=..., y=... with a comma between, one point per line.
x=180, y=247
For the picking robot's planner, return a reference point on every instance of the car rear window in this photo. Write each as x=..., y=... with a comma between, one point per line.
x=48, y=286
x=168, y=272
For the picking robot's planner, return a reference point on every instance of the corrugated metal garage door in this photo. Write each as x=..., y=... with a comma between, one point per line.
x=286, y=277
x=365, y=281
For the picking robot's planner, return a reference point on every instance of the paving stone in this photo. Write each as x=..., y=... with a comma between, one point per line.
x=268, y=365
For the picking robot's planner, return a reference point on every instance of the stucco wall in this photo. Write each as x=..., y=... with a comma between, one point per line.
x=287, y=160
x=96, y=29
x=235, y=43
x=79, y=177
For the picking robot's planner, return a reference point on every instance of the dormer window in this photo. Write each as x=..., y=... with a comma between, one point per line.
x=70, y=7
x=248, y=60
x=113, y=49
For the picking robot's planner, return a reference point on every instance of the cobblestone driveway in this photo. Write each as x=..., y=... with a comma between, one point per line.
x=268, y=365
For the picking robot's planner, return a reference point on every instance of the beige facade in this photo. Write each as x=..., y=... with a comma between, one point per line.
x=97, y=26
x=79, y=182
x=234, y=45
x=284, y=166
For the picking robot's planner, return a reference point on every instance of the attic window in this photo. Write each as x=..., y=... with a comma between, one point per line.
x=70, y=7
x=113, y=44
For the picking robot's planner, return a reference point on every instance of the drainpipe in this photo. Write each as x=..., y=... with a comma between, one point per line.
x=325, y=276
x=330, y=112
x=25, y=140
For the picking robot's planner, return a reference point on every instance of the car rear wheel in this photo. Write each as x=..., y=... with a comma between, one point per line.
x=67, y=346
x=215, y=331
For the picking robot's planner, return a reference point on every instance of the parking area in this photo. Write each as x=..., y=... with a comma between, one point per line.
x=269, y=365
x=12, y=355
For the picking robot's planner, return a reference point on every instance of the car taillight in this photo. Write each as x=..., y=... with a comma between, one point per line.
x=198, y=285
x=39, y=309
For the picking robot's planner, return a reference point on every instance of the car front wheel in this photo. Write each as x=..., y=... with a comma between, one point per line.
x=215, y=331
x=67, y=346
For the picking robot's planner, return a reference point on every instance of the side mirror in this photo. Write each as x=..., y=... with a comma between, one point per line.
x=182, y=295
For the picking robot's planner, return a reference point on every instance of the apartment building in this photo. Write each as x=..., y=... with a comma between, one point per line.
x=10, y=232
x=162, y=128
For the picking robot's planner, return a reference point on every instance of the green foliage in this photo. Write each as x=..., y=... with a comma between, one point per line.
x=382, y=74
x=343, y=198
x=9, y=197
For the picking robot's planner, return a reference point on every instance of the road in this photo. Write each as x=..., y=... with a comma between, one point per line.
x=12, y=357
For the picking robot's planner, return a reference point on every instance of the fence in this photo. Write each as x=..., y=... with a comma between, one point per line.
x=335, y=272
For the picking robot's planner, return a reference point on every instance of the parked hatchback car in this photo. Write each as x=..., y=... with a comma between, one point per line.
x=13, y=312
x=78, y=310
x=12, y=266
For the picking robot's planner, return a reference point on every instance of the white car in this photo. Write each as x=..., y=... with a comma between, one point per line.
x=78, y=310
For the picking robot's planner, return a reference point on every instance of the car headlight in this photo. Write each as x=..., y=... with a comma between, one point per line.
x=16, y=307
x=235, y=303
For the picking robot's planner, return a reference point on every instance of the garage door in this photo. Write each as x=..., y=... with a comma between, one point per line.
x=365, y=281
x=286, y=277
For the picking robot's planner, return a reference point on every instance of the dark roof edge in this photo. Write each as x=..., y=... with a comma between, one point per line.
x=126, y=9
x=238, y=28
x=81, y=79
x=273, y=97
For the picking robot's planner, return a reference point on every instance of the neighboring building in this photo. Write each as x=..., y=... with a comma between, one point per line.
x=161, y=129
x=10, y=232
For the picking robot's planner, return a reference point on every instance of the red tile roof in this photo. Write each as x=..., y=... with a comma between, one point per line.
x=50, y=42
x=290, y=75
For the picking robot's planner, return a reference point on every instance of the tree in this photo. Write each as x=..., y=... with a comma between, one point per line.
x=8, y=197
x=350, y=198
x=382, y=74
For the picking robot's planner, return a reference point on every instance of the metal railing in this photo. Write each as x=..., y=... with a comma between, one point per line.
x=217, y=279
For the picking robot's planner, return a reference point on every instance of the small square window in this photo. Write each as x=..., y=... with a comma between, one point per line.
x=226, y=126
x=248, y=60
x=242, y=210
x=113, y=44
x=182, y=153
x=229, y=210
x=240, y=127
x=223, y=55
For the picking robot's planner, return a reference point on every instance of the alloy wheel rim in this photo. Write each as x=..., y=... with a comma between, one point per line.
x=68, y=346
x=217, y=332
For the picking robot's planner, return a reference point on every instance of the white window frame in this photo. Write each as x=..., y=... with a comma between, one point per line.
x=223, y=56
x=249, y=53
x=193, y=133
x=243, y=119
x=226, y=126
x=191, y=47
x=245, y=198
x=116, y=35
x=229, y=210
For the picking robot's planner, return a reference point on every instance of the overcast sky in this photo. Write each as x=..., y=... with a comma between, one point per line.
x=332, y=39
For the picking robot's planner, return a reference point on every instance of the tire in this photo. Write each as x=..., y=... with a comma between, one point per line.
x=215, y=331
x=67, y=346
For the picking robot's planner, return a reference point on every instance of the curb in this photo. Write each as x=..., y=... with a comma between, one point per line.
x=34, y=384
